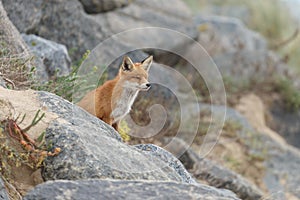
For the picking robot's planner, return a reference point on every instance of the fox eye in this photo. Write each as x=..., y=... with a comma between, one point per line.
x=137, y=77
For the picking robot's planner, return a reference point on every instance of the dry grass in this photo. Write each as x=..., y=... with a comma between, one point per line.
x=14, y=66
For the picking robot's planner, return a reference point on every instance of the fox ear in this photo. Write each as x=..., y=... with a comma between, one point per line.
x=146, y=63
x=127, y=64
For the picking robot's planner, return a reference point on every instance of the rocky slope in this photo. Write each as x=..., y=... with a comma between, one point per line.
x=246, y=159
x=90, y=149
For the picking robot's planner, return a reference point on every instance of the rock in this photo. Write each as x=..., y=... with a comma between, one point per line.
x=3, y=192
x=12, y=44
x=244, y=68
x=241, y=55
x=25, y=15
x=85, y=139
x=66, y=22
x=51, y=58
x=154, y=14
x=225, y=34
x=168, y=158
x=240, y=12
x=280, y=160
x=214, y=174
x=98, y=6
x=286, y=123
x=14, y=54
x=122, y=189
x=2, y=82
x=249, y=102
x=221, y=177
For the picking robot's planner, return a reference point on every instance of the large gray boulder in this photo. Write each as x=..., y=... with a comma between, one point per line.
x=221, y=177
x=286, y=123
x=167, y=157
x=225, y=34
x=98, y=6
x=241, y=55
x=2, y=82
x=51, y=59
x=112, y=189
x=92, y=149
x=241, y=12
x=26, y=22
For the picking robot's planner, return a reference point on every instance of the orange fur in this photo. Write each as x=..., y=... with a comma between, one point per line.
x=112, y=101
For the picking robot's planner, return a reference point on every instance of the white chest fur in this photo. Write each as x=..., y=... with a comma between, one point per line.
x=123, y=105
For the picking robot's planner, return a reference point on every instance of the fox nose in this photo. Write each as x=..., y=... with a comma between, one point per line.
x=148, y=85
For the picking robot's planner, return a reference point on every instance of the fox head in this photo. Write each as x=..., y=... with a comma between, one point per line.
x=135, y=75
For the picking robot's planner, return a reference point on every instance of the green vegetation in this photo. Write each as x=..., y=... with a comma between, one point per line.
x=290, y=95
x=232, y=162
x=20, y=153
x=257, y=150
x=124, y=131
x=66, y=86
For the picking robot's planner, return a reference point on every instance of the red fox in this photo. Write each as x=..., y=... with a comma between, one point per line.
x=113, y=100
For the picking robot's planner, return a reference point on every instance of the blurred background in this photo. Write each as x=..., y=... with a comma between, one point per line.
x=277, y=20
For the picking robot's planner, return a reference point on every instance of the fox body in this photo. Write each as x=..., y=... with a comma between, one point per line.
x=113, y=100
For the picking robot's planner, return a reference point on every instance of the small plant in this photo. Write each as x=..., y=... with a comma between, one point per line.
x=289, y=94
x=66, y=86
x=232, y=162
x=14, y=65
x=18, y=149
x=231, y=128
x=124, y=130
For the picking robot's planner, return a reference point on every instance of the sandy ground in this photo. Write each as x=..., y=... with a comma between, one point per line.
x=23, y=178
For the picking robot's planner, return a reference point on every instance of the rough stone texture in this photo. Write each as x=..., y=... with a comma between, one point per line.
x=221, y=177
x=51, y=58
x=65, y=21
x=286, y=124
x=98, y=6
x=248, y=67
x=62, y=21
x=25, y=14
x=214, y=174
x=92, y=149
x=3, y=192
x=168, y=158
x=108, y=189
x=227, y=34
x=2, y=82
x=241, y=12
x=10, y=38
